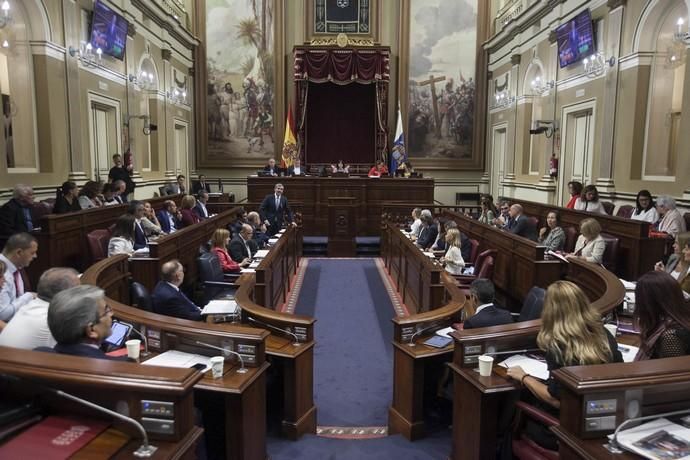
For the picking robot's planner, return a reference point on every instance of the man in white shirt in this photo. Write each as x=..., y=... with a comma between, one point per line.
x=28, y=329
x=200, y=206
x=18, y=253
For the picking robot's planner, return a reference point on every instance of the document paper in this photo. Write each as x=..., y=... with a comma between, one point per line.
x=659, y=439
x=174, y=358
x=220, y=307
x=532, y=366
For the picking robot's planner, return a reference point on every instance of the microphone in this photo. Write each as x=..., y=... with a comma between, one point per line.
x=146, y=450
x=146, y=342
x=285, y=331
x=411, y=342
x=226, y=351
x=511, y=352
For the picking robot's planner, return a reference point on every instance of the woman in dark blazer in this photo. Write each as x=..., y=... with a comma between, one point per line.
x=67, y=199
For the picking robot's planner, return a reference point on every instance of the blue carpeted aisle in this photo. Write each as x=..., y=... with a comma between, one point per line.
x=353, y=365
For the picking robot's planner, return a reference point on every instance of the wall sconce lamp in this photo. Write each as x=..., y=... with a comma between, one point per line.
x=503, y=99
x=177, y=96
x=87, y=55
x=681, y=36
x=597, y=65
x=541, y=87
x=144, y=81
x=5, y=17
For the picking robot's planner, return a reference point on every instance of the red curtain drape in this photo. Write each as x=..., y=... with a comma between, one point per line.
x=343, y=66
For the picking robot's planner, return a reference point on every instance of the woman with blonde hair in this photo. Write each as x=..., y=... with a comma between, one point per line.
x=572, y=334
x=189, y=217
x=453, y=261
x=590, y=246
x=219, y=246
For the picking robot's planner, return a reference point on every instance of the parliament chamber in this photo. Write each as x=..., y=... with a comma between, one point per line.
x=310, y=229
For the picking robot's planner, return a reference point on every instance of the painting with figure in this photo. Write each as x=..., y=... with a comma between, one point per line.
x=441, y=99
x=241, y=80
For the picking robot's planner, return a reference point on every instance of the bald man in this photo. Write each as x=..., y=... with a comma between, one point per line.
x=167, y=299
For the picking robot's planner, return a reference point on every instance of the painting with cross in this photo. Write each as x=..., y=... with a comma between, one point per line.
x=441, y=87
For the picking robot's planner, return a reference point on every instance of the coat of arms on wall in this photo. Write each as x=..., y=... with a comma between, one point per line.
x=356, y=18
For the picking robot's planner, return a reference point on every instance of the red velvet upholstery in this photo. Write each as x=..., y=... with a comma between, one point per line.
x=570, y=239
x=610, y=261
x=625, y=211
x=98, y=244
x=484, y=268
x=608, y=207
x=475, y=251
x=523, y=447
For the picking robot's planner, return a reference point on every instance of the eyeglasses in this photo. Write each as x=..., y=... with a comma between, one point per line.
x=106, y=311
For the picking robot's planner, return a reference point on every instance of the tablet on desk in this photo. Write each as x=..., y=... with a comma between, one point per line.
x=120, y=333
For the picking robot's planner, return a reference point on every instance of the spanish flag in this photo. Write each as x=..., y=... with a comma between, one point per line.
x=289, y=144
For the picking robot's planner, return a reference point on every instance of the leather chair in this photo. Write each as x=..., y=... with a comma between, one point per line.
x=610, y=260
x=214, y=282
x=571, y=234
x=163, y=190
x=484, y=268
x=98, y=244
x=140, y=296
x=533, y=304
x=686, y=216
x=625, y=211
x=608, y=207
x=475, y=251
x=523, y=447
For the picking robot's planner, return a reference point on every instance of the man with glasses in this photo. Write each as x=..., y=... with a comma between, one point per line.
x=243, y=245
x=80, y=321
x=168, y=299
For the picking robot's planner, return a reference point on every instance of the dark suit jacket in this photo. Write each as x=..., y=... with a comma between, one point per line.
x=427, y=236
x=276, y=216
x=197, y=187
x=522, y=227
x=465, y=247
x=238, y=251
x=166, y=300
x=291, y=171
x=489, y=316
x=189, y=217
x=165, y=223
x=273, y=171
x=62, y=206
x=82, y=349
x=139, y=237
x=199, y=211
x=12, y=218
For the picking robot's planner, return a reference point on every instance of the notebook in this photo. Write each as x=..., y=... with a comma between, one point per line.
x=438, y=342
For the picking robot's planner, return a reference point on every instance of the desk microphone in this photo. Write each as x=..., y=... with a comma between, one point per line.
x=226, y=351
x=411, y=342
x=146, y=342
x=146, y=450
x=511, y=352
x=270, y=326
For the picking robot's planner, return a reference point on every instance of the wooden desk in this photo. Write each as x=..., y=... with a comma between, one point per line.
x=656, y=386
x=476, y=438
x=370, y=194
x=244, y=395
x=62, y=238
x=436, y=302
x=182, y=245
x=637, y=253
x=109, y=384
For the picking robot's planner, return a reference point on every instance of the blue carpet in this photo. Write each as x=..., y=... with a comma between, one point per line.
x=353, y=362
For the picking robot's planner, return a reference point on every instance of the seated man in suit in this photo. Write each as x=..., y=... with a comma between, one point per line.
x=296, y=169
x=200, y=206
x=259, y=229
x=487, y=314
x=242, y=246
x=519, y=224
x=428, y=233
x=17, y=254
x=271, y=169
x=15, y=215
x=119, y=188
x=200, y=185
x=274, y=210
x=80, y=321
x=167, y=299
x=177, y=187
x=169, y=218
x=136, y=208
x=28, y=329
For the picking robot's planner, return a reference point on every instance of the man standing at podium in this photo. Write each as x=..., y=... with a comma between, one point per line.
x=273, y=210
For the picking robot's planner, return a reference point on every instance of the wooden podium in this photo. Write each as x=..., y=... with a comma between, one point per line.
x=342, y=226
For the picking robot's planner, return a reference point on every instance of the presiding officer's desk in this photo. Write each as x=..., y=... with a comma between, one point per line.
x=637, y=252
x=435, y=302
x=28, y=376
x=290, y=347
x=370, y=193
x=475, y=436
x=62, y=237
x=244, y=395
x=592, y=396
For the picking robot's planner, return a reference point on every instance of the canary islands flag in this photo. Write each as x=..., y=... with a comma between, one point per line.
x=289, y=143
x=399, y=153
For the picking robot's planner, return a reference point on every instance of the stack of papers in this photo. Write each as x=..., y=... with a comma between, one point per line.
x=533, y=367
x=254, y=264
x=628, y=351
x=273, y=241
x=445, y=331
x=220, y=307
x=659, y=439
x=628, y=285
x=557, y=256
x=174, y=358
x=429, y=254
x=141, y=252
x=261, y=253
x=247, y=270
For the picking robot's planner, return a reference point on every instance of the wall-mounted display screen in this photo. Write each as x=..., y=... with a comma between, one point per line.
x=575, y=39
x=108, y=31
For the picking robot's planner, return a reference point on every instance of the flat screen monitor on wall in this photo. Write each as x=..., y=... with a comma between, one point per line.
x=108, y=31
x=575, y=39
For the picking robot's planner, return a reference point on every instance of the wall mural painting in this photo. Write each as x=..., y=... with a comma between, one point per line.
x=241, y=79
x=441, y=99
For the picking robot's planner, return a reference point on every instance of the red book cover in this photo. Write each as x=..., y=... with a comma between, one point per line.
x=54, y=438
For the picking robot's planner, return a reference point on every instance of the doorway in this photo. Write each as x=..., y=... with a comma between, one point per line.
x=104, y=134
x=498, y=159
x=577, y=147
